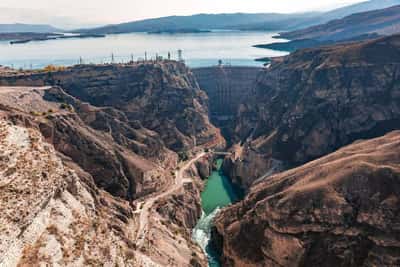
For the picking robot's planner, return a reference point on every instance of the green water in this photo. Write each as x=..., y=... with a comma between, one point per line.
x=218, y=193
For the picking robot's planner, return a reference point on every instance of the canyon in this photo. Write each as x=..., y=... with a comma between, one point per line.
x=112, y=149
x=315, y=101
x=119, y=154
x=340, y=210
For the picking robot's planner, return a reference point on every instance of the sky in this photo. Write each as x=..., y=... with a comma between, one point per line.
x=90, y=12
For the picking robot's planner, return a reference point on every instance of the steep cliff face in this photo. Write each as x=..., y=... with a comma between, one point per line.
x=340, y=210
x=97, y=149
x=314, y=101
x=122, y=150
x=163, y=97
x=125, y=161
x=54, y=214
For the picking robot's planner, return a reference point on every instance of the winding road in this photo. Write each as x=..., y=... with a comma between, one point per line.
x=144, y=207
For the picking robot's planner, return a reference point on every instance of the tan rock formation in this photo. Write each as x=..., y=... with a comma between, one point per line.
x=315, y=101
x=49, y=216
x=340, y=210
x=117, y=182
x=163, y=97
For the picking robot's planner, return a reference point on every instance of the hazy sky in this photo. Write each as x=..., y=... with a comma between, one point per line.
x=114, y=11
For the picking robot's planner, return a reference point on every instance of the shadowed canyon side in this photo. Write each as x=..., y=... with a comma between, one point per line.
x=315, y=101
x=160, y=96
x=111, y=144
x=340, y=210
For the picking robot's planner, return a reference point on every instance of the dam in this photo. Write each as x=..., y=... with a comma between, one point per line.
x=227, y=88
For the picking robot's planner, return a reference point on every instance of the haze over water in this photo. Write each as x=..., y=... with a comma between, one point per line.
x=199, y=49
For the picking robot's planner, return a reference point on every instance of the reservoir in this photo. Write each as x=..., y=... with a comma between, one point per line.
x=218, y=193
x=198, y=49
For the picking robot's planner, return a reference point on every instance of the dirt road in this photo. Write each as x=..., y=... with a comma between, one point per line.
x=145, y=206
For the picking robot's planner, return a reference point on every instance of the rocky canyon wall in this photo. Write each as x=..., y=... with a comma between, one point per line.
x=121, y=130
x=163, y=97
x=315, y=101
x=340, y=210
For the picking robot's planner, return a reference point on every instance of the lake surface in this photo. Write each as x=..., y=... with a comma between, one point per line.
x=218, y=193
x=199, y=49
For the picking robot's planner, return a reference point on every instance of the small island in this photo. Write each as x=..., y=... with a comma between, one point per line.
x=26, y=37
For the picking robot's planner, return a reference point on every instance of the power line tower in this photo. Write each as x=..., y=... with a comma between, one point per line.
x=112, y=58
x=180, y=57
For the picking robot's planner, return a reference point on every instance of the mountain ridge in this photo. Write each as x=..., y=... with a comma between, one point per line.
x=356, y=27
x=239, y=21
x=33, y=28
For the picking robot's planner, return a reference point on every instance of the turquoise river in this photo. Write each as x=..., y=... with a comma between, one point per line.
x=218, y=193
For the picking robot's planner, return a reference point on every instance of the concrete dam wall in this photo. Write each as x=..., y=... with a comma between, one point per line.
x=227, y=87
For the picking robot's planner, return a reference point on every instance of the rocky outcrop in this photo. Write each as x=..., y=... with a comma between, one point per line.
x=178, y=213
x=137, y=117
x=340, y=210
x=95, y=160
x=123, y=148
x=204, y=168
x=53, y=214
x=163, y=97
x=315, y=101
x=96, y=139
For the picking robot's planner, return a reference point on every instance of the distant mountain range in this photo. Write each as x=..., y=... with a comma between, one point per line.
x=235, y=21
x=240, y=21
x=382, y=22
x=32, y=28
x=203, y=21
x=356, y=8
x=360, y=26
x=35, y=16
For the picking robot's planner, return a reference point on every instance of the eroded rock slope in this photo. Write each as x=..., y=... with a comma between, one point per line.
x=340, y=210
x=315, y=101
x=163, y=97
x=49, y=216
x=117, y=154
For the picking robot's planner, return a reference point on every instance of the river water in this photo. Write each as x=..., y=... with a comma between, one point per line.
x=218, y=193
x=199, y=49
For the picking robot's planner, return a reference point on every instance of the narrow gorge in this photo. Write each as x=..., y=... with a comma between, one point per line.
x=144, y=163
